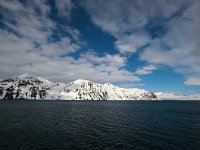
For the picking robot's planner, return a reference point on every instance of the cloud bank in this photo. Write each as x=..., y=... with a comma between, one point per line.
x=161, y=33
x=28, y=44
x=169, y=30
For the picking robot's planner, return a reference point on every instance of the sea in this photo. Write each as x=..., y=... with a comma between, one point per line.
x=99, y=125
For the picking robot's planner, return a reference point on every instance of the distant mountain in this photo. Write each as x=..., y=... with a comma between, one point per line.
x=173, y=96
x=27, y=86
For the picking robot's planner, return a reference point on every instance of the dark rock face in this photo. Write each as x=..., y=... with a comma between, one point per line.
x=17, y=94
x=8, y=80
x=1, y=91
x=23, y=83
x=152, y=95
x=9, y=93
x=42, y=93
x=33, y=92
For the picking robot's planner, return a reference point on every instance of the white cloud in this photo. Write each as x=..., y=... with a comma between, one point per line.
x=27, y=46
x=26, y=22
x=126, y=20
x=183, y=55
x=64, y=46
x=129, y=21
x=181, y=60
x=75, y=34
x=106, y=68
x=130, y=85
x=146, y=70
x=11, y=5
x=131, y=43
x=64, y=7
x=110, y=60
x=193, y=81
x=29, y=28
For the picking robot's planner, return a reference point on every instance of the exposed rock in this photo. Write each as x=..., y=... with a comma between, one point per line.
x=30, y=87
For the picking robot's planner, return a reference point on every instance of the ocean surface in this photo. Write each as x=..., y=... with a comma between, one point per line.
x=100, y=125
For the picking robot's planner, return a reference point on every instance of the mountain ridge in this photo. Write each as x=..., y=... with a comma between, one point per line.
x=27, y=86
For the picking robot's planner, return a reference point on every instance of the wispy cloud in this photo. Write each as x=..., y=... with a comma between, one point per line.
x=127, y=20
x=183, y=54
x=146, y=70
x=128, y=44
x=32, y=41
x=193, y=81
x=27, y=45
x=64, y=7
x=171, y=29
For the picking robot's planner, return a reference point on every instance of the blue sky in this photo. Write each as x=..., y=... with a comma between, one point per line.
x=131, y=43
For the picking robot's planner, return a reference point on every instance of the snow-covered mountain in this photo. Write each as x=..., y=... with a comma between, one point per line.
x=27, y=86
x=173, y=96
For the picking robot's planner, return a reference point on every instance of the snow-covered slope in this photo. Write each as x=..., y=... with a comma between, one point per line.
x=27, y=86
x=173, y=96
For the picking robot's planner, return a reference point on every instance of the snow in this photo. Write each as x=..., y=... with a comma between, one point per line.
x=79, y=89
x=173, y=96
x=27, y=86
x=81, y=81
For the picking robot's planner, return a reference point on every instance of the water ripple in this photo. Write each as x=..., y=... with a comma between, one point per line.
x=94, y=125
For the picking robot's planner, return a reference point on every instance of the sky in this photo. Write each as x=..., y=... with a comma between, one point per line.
x=153, y=45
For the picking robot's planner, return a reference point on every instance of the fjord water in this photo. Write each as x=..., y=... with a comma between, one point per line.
x=145, y=125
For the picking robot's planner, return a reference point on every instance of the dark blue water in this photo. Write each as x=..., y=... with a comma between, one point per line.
x=91, y=125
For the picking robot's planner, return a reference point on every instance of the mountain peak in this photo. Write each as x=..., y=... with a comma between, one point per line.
x=80, y=81
x=28, y=76
x=29, y=87
x=25, y=76
x=108, y=84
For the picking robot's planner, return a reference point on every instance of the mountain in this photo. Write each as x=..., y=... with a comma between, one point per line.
x=27, y=86
x=173, y=96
